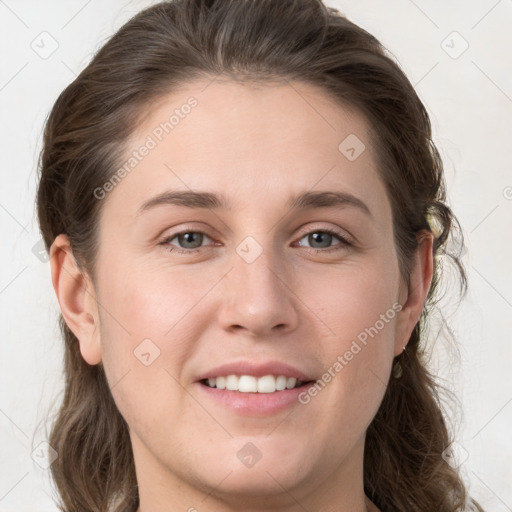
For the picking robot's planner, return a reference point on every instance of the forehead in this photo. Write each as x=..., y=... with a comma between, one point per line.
x=250, y=142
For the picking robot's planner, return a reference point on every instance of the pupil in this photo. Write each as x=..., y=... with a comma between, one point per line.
x=317, y=237
x=187, y=238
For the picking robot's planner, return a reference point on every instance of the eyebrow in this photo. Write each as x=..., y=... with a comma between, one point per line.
x=318, y=199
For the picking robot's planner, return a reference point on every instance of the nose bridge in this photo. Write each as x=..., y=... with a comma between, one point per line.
x=257, y=266
x=255, y=295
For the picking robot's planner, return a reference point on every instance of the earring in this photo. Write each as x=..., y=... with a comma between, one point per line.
x=397, y=370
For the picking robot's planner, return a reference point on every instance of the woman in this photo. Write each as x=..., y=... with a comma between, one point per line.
x=243, y=208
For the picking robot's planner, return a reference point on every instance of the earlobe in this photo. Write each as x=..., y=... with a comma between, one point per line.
x=421, y=279
x=76, y=297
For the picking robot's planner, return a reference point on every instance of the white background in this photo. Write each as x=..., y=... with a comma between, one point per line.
x=470, y=102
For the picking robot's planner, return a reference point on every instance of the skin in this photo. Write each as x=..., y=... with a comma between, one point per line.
x=257, y=145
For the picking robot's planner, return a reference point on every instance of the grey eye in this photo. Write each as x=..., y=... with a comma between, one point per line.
x=190, y=239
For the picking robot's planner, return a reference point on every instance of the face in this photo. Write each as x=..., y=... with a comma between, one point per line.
x=284, y=276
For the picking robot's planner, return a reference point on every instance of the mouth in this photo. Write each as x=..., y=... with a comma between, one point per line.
x=254, y=388
x=253, y=384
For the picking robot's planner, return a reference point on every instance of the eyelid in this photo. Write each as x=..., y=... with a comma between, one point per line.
x=342, y=234
x=346, y=239
x=165, y=239
x=184, y=229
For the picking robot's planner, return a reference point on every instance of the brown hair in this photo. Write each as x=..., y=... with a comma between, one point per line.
x=164, y=47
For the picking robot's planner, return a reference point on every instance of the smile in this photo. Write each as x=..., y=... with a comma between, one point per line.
x=252, y=384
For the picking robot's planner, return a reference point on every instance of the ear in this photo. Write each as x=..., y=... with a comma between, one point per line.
x=421, y=277
x=77, y=299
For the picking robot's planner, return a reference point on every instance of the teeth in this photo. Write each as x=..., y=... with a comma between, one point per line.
x=290, y=383
x=232, y=382
x=266, y=384
x=219, y=382
x=281, y=382
x=250, y=384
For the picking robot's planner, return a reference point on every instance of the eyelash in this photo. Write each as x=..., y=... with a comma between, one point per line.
x=345, y=243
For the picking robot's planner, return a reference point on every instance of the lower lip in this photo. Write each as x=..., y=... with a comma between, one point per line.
x=254, y=404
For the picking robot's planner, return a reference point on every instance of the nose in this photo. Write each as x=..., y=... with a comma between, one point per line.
x=256, y=297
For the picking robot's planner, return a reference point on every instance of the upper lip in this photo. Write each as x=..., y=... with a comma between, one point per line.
x=256, y=369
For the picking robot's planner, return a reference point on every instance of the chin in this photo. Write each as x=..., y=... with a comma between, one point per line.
x=262, y=466
x=257, y=485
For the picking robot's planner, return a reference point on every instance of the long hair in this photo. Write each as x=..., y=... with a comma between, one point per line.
x=162, y=48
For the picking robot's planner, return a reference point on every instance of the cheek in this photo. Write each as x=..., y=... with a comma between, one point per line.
x=359, y=310
x=149, y=322
x=140, y=305
x=353, y=299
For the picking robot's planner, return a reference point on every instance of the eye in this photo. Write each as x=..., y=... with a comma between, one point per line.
x=321, y=239
x=189, y=241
